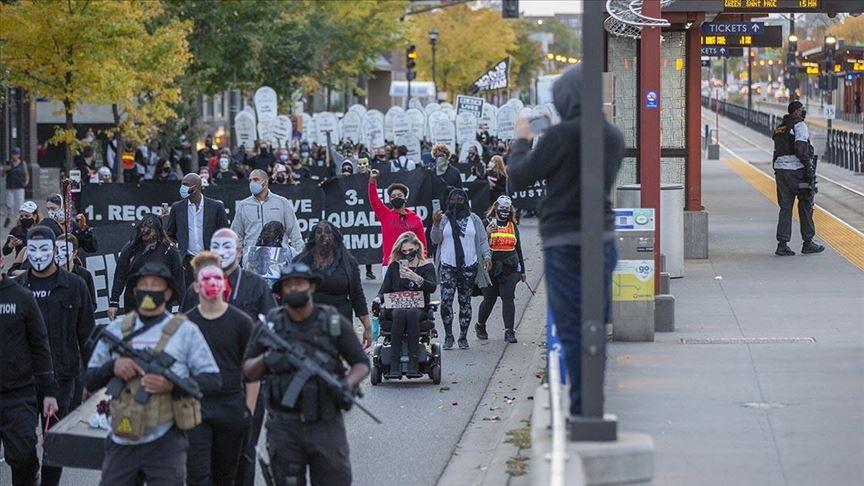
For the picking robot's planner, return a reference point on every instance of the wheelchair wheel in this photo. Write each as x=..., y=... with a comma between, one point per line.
x=435, y=374
x=375, y=375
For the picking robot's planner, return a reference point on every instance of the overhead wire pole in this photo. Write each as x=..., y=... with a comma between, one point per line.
x=592, y=425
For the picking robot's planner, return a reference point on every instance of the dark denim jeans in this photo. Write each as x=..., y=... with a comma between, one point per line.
x=563, y=285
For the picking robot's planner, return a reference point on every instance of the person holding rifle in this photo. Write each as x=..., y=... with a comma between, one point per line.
x=152, y=408
x=305, y=427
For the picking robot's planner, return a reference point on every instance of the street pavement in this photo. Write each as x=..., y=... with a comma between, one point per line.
x=782, y=411
x=423, y=422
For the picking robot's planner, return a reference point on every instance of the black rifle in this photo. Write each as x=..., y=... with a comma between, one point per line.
x=151, y=363
x=306, y=367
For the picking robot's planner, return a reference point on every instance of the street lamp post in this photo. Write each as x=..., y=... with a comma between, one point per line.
x=433, y=41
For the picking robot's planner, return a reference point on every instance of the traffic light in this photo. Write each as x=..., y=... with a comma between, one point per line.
x=510, y=9
x=411, y=62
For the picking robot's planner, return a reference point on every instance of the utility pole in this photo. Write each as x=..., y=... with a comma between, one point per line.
x=750, y=55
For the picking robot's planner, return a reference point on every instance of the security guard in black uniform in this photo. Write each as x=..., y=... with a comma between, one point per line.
x=311, y=433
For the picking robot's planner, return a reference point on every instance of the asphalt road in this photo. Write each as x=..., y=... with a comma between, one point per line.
x=423, y=422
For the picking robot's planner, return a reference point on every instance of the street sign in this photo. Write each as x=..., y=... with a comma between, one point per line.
x=652, y=100
x=738, y=28
x=770, y=36
x=720, y=51
x=706, y=62
x=828, y=112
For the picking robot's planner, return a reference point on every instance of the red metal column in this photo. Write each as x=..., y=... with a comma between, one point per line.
x=649, y=124
x=694, y=120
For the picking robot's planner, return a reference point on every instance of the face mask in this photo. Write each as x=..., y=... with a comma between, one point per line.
x=441, y=165
x=166, y=170
x=149, y=300
x=212, y=283
x=283, y=157
x=280, y=177
x=26, y=222
x=64, y=252
x=503, y=215
x=347, y=173
x=803, y=114
x=223, y=164
x=40, y=253
x=226, y=248
x=411, y=255
x=295, y=300
x=56, y=215
x=255, y=188
x=186, y=191
x=398, y=202
x=304, y=155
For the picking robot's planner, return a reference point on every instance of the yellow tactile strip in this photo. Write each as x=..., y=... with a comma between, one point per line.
x=844, y=239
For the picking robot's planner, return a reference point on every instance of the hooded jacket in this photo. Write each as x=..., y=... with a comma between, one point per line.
x=557, y=159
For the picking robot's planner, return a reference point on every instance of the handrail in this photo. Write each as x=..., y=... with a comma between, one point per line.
x=559, y=454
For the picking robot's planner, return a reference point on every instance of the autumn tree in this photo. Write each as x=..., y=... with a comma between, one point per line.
x=850, y=30
x=469, y=42
x=78, y=51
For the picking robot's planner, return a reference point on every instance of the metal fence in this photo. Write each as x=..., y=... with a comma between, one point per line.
x=844, y=149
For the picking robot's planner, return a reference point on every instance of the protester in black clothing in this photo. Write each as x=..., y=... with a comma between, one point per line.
x=56, y=211
x=67, y=258
x=408, y=271
x=496, y=175
x=251, y=294
x=216, y=444
x=26, y=371
x=67, y=310
x=508, y=268
x=148, y=244
x=86, y=163
x=17, y=176
x=339, y=272
x=28, y=216
x=164, y=171
x=208, y=151
x=447, y=177
x=226, y=170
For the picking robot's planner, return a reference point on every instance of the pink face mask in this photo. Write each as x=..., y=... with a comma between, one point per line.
x=211, y=281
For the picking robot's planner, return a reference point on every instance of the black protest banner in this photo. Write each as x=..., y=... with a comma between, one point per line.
x=528, y=199
x=105, y=204
x=102, y=264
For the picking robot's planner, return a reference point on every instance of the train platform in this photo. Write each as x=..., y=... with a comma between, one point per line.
x=762, y=382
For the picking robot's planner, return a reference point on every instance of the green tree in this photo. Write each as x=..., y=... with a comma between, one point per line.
x=526, y=56
x=78, y=51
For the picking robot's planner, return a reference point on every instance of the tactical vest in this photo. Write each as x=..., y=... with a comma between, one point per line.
x=503, y=238
x=784, y=137
x=129, y=418
x=318, y=342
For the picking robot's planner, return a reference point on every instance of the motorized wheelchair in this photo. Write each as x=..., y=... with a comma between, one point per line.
x=428, y=355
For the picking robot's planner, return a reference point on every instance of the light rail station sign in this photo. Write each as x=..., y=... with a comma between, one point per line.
x=770, y=36
x=722, y=51
x=772, y=5
x=737, y=28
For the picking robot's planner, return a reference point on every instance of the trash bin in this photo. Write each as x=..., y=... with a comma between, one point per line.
x=671, y=221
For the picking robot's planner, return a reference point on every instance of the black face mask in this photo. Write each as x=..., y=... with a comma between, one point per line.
x=397, y=202
x=27, y=222
x=503, y=215
x=148, y=300
x=411, y=255
x=803, y=114
x=295, y=300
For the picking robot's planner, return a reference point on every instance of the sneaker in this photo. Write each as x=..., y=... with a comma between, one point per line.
x=448, y=342
x=510, y=337
x=480, y=329
x=810, y=247
x=370, y=275
x=784, y=250
x=463, y=340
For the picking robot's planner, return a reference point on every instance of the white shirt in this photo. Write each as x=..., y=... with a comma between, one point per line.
x=196, y=227
x=448, y=250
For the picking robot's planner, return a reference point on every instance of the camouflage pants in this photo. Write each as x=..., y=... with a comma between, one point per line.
x=453, y=280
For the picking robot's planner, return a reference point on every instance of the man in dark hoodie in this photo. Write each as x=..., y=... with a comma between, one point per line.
x=794, y=171
x=557, y=160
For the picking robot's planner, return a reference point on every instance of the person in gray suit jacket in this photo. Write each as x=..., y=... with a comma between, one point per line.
x=193, y=220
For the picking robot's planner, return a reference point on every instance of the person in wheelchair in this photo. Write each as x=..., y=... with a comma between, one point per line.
x=409, y=271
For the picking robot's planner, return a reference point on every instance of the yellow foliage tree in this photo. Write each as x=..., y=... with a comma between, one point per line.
x=469, y=42
x=851, y=30
x=74, y=52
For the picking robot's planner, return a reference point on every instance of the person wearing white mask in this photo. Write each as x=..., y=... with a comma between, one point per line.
x=66, y=308
x=224, y=170
x=57, y=211
x=253, y=295
x=262, y=207
x=105, y=176
x=193, y=220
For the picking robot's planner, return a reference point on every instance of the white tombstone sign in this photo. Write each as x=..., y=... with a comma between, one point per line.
x=373, y=126
x=266, y=104
x=351, y=123
x=466, y=128
x=516, y=104
x=415, y=103
x=388, y=121
x=357, y=108
x=244, y=126
x=489, y=120
x=418, y=122
x=265, y=130
x=506, y=123
x=442, y=130
x=401, y=124
x=411, y=142
x=327, y=123
x=283, y=130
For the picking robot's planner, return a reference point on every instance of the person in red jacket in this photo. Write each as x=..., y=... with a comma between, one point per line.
x=394, y=221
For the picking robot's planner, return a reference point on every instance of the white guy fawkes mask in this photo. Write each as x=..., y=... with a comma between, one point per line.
x=64, y=252
x=363, y=165
x=40, y=253
x=226, y=248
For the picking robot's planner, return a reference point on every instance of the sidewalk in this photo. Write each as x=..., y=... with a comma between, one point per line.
x=783, y=410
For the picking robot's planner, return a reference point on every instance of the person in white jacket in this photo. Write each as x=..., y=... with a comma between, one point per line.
x=263, y=206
